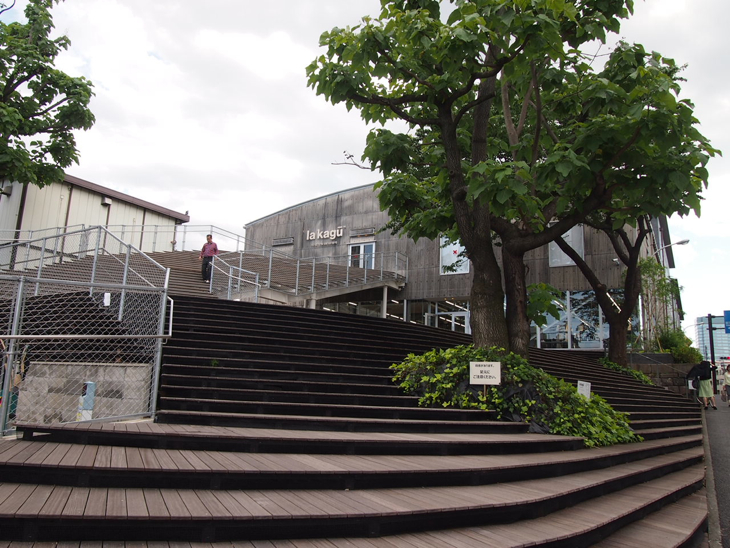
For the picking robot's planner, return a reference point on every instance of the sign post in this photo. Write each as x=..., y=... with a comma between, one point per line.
x=485, y=373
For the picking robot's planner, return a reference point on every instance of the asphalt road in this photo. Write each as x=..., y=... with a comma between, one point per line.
x=717, y=424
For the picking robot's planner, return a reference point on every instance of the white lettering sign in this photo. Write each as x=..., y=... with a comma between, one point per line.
x=485, y=372
x=325, y=234
x=584, y=388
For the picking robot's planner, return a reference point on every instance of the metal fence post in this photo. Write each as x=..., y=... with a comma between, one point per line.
x=123, y=296
x=9, y=366
x=40, y=268
x=230, y=281
x=296, y=283
x=96, y=258
x=158, y=349
x=314, y=272
x=240, y=270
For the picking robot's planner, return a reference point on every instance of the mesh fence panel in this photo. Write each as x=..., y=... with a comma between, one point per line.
x=81, y=328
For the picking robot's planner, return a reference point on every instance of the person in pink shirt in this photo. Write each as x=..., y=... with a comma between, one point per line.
x=210, y=250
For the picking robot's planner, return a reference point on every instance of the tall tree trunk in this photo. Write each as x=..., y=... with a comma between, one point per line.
x=617, y=342
x=518, y=324
x=487, y=300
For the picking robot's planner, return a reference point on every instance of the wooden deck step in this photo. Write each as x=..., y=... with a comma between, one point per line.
x=347, y=424
x=47, y=513
x=261, y=440
x=680, y=523
x=119, y=466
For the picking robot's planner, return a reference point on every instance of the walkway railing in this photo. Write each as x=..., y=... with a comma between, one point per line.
x=232, y=282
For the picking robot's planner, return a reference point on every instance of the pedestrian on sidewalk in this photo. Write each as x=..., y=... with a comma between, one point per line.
x=706, y=392
x=210, y=250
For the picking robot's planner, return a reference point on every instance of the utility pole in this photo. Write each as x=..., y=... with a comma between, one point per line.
x=711, y=328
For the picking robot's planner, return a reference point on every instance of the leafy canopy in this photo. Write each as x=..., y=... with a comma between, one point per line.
x=40, y=106
x=562, y=138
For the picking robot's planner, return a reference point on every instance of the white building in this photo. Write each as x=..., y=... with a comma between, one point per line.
x=27, y=211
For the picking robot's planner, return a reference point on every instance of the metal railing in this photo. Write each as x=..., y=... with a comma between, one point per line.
x=147, y=238
x=82, y=327
x=232, y=282
x=281, y=272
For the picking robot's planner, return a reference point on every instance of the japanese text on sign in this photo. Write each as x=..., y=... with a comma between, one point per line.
x=485, y=372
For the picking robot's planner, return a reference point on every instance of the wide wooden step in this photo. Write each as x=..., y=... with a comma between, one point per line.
x=52, y=513
x=89, y=465
x=337, y=424
x=147, y=434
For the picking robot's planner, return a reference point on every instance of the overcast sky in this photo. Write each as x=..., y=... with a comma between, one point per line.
x=203, y=107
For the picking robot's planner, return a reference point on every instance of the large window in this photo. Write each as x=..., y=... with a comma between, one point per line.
x=362, y=255
x=574, y=238
x=452, y=260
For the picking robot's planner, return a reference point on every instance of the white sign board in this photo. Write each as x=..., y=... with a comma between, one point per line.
x=485, y=372
x=584, y=388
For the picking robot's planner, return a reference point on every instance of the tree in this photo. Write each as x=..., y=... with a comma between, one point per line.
x=514, y=137
x=628, y=251
x=40, y=106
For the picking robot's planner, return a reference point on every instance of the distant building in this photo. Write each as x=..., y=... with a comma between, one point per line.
x=721, y=340
x=346, y=228
x=28, y=211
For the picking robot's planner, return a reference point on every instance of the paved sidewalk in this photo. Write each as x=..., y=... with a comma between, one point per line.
x=717, y=425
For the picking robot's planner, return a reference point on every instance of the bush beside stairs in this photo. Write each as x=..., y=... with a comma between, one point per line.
x=280, y=427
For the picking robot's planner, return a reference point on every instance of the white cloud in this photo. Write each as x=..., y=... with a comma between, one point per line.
x=272, y=58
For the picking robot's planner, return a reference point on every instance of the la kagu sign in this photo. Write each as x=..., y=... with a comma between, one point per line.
x=485, y=373
x=325, y=234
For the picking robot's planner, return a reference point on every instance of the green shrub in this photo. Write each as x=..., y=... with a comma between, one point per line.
x=686, y=354
x=680, y=346
x=638, y=375
x=528, y=394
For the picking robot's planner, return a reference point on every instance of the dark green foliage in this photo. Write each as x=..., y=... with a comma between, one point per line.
x=441, y=378
x=638, y=375
x=680, y=346
x=40, y=106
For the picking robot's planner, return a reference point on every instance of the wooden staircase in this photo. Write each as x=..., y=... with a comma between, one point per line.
x=280, y=427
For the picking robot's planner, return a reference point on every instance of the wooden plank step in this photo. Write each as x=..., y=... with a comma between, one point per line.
x=40, y=513
x=346, y=424
x=170, y=388
x=64, y=464
x=219, y=438
x=676, y=524
x=207, y=402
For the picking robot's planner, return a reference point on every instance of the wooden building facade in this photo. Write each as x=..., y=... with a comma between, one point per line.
x=348, y=225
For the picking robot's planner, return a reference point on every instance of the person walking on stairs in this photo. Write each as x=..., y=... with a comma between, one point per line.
x=706, y=391
x=210, y=250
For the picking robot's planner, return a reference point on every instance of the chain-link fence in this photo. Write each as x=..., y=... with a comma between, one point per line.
x=81, y=329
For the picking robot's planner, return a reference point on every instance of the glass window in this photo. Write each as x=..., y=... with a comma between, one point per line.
x=452, y=260
x=574, y=238
x=362, y=255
